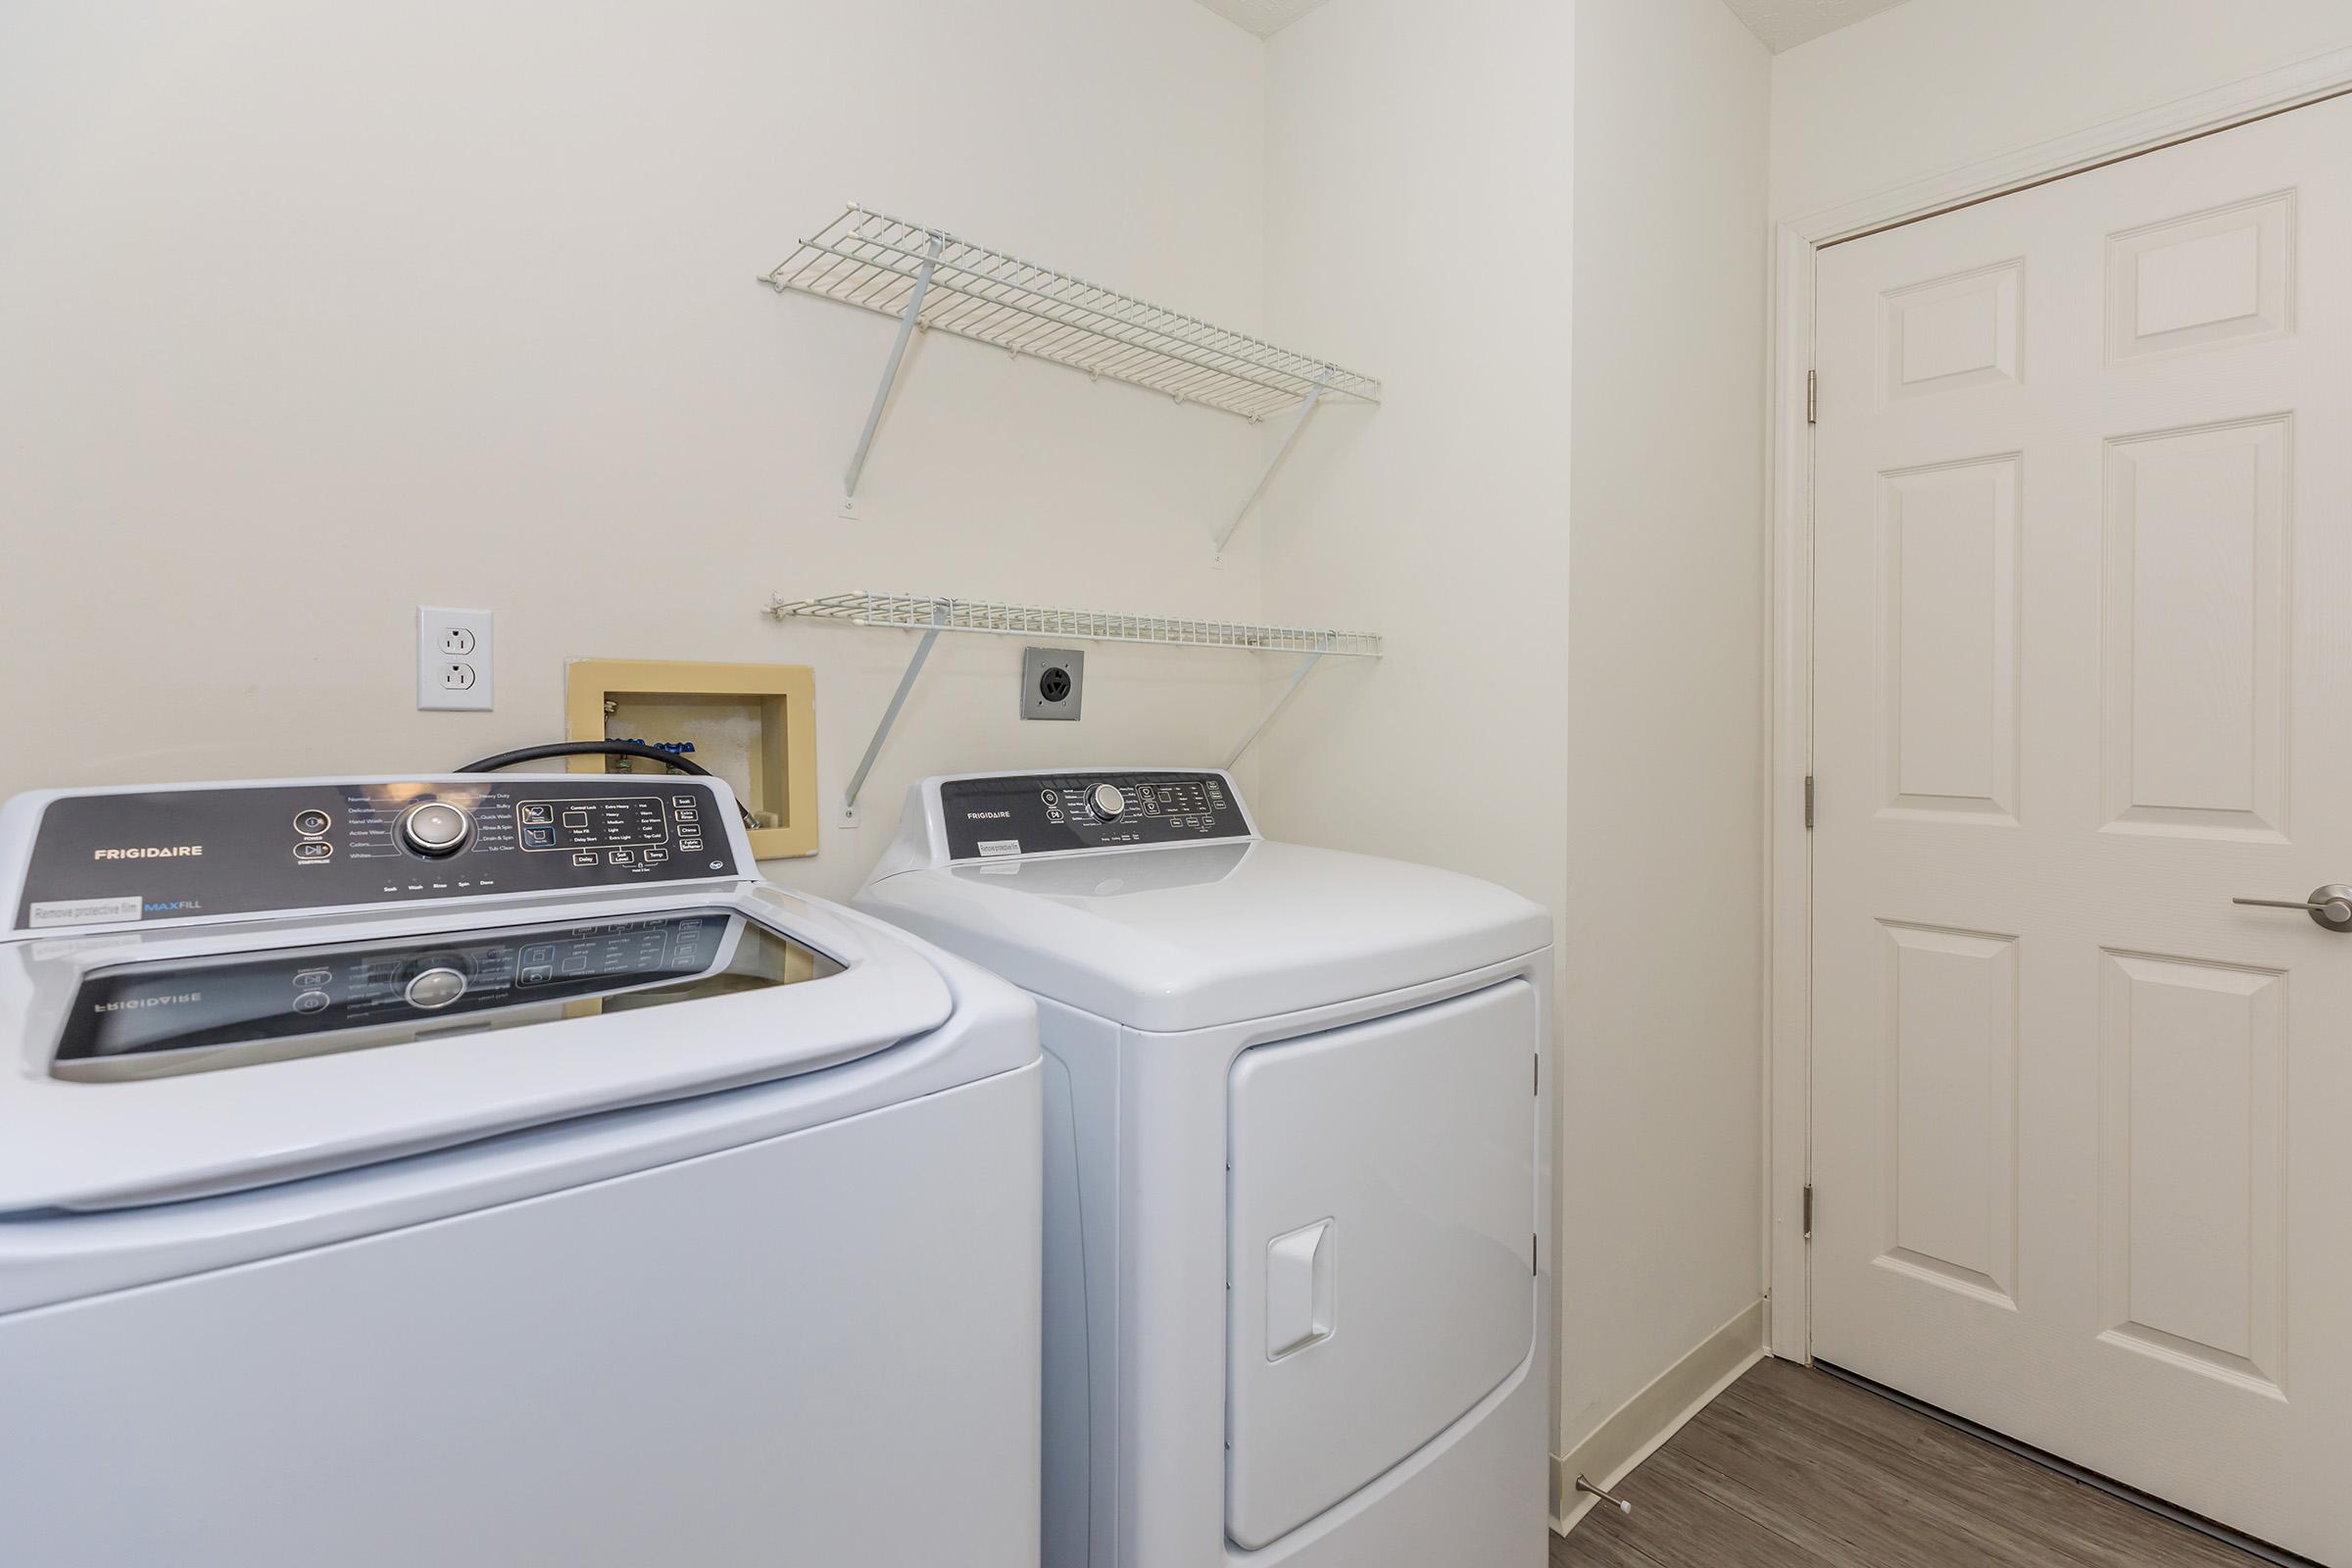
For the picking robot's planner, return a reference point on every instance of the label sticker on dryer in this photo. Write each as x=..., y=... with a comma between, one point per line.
x=994, y=848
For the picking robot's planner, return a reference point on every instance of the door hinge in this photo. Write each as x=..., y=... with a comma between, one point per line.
x=1537, y=1086
x=1534, y=1261
x=1812, y=397
x=1808, y=802
x=1808, y=1211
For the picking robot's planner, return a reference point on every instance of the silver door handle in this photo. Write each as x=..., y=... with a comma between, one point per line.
x=2329, y=905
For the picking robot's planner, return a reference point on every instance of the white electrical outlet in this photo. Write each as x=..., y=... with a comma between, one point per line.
x=453, y=658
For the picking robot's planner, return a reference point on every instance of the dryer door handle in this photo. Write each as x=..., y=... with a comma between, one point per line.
x=1300, y=1289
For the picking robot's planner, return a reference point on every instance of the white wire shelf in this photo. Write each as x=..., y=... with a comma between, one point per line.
x=888, y=264
x=925, y=612
x=932, y=614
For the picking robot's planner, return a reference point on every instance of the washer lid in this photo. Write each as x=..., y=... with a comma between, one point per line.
x=1187, y=937
x=155, y=1066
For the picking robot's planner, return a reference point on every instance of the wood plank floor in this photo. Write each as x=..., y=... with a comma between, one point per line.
x=1792, y=1468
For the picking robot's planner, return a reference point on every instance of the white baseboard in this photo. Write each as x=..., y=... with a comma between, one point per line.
x=1648, y=1419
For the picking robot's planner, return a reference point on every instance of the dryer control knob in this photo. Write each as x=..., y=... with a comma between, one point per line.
x=435, y=828
x=1110, y=803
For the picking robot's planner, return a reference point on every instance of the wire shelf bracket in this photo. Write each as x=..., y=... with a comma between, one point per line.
x=1266, y=477
x=890, y=371
x=932, y=615
x=1307, y=667
x=927, y=277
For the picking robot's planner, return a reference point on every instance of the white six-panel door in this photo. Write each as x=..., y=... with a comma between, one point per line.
x=2082, y=1127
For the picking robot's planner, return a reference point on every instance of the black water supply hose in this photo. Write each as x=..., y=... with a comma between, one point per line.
x=651, y=753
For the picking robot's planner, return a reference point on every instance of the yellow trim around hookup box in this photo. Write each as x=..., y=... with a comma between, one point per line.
x=775, y=702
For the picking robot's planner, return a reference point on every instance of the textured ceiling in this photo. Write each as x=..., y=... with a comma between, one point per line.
x=1265, y=18
x=1785, y=23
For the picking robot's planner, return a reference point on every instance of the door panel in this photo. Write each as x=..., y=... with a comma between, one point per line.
x=1383, y=1210
x=2083, y=655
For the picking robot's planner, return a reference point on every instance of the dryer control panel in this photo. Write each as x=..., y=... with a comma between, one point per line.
x=1039, y=814
x=103, y=858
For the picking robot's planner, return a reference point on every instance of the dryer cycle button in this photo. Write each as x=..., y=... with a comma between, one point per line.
x=310, y=1002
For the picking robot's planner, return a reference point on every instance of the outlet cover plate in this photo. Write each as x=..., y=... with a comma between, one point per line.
x=454, y=650
x=1052, y=682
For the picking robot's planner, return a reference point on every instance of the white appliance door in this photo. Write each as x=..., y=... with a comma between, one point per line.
x=2084, y=565
x=1383, y=1207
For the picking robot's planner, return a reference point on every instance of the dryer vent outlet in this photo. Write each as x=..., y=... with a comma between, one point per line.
x=1053, y=680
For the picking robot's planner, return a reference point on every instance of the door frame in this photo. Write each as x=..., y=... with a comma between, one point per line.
x=1789, y=848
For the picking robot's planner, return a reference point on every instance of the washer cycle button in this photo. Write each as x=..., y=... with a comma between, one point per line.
x=310, y=824
x=310, y=1002
x=313, y=850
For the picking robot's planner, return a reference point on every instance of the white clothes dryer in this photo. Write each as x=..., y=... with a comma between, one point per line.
x=489, y=1170
x=1298, y=1172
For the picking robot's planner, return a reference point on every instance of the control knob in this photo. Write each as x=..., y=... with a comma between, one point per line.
x=437, y=988
x=435, y=829
x=1110, y=803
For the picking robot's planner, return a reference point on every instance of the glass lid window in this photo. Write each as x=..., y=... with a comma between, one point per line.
x=197, y=1014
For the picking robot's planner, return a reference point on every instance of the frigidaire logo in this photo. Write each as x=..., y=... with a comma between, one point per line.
x=986, y=816
x=151, y=851
x=148, y=1002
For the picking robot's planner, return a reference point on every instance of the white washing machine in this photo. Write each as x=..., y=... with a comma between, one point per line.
x=1297, y=1166
x=488, y=1171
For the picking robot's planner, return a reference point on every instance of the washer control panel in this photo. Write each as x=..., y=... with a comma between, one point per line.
x=109, y=857
x=1040, y=813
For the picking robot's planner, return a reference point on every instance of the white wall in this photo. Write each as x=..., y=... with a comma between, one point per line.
x=1665, y=710
x=312, y=312
x=1417, y=211
x=1570, y=705
x=1937, y=84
